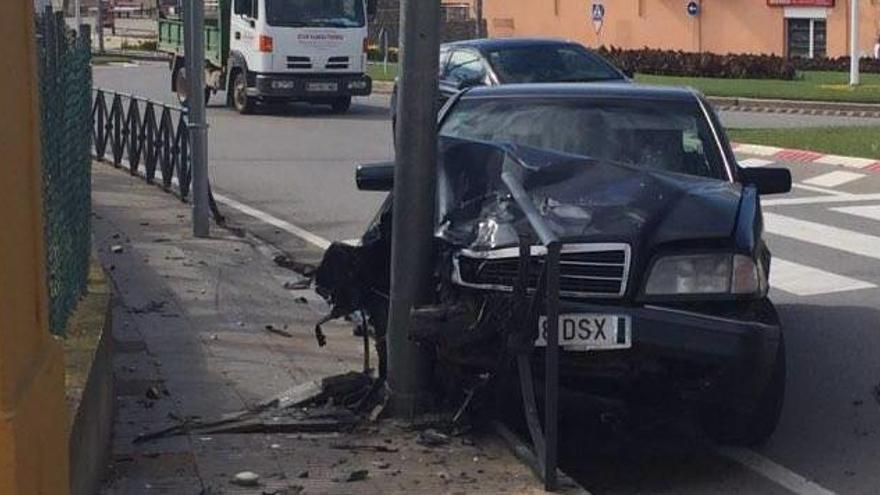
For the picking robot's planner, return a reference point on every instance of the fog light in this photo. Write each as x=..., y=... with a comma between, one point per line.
x=357, y=85
x=282, y=84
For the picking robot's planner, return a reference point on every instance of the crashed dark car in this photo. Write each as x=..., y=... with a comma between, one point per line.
x=663, y=271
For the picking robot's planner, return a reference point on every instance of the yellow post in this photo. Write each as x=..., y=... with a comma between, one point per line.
x=33, y=416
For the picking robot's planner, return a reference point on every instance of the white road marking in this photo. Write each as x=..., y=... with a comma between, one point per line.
x=871, y=212
x=780, y=475
x=754, y=162
x=288, y=227
x=817, y=200
x=834, y=179
x=846, y=161
x=755, y=149
x=802, y=280
x=823, y=235
x=822, y=190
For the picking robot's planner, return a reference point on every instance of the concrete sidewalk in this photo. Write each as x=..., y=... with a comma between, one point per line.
x=191, y=338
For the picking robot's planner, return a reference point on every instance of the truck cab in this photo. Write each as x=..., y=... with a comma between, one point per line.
x=283, y=50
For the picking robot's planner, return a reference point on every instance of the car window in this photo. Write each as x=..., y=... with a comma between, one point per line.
x=668, y=136
x=465, y=65
x=550, y=64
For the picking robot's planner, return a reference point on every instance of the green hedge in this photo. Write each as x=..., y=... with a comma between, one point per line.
x=679, y=63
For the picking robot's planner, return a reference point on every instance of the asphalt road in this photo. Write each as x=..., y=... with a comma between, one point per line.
x=296, y=165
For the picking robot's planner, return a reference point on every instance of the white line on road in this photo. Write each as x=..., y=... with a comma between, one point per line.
x=820, y=190
x=834, y=179
x=817, y=200
x=756, y=149
x=288, y=227
x=802, y=280
x=871, y=212
x=754, y=162
x=823, y=235
x=780, y=475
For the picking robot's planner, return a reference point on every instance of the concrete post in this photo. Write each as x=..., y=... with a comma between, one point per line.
x=33, y=413
x=854, y=43
x=414, y=182
x=198, y=127
x=99, y=26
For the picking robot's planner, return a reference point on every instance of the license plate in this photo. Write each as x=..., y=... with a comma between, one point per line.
x=586, y=332
x=322, y=86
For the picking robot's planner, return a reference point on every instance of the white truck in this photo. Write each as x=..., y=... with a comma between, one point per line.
x=277, y=50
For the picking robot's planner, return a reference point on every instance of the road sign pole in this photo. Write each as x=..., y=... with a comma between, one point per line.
x=854, y=43
x=99, y=27
x=479, y=13
x=414, y=182
x=194, y=51
x=77, y=15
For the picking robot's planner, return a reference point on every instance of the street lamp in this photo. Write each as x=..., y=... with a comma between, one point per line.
x=854, y=43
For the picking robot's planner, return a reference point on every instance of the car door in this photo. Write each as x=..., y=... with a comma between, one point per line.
x=465, y=69
x=243, y=29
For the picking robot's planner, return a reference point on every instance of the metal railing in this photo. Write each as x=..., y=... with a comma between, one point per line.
x=149, y=138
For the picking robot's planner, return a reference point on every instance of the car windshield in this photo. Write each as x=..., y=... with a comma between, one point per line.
x=315, y=13
x=560, y=63
x=658, y=135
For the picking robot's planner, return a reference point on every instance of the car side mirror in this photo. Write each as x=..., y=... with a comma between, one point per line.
x=375, y=176
x=372, y=8
x=767, y=180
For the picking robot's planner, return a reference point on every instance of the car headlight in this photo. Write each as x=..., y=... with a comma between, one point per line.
x=721, y=273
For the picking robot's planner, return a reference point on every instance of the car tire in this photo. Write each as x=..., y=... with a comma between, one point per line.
x=753, y=427
x=341, y=104
x=243, y=103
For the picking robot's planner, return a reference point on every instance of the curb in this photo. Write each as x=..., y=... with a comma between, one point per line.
x=805, y=107
x=806, y=157
x=89, y=383
x=134, y=55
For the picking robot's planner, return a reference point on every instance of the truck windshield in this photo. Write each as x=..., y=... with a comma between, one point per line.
x=315, y=13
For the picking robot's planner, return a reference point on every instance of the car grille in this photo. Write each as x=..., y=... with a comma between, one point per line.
x=299, y=63
x=585, y=270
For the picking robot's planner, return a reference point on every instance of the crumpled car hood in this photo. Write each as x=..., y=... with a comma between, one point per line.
x=582, y=199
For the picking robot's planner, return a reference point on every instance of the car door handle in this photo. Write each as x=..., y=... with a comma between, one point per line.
x=238, y=35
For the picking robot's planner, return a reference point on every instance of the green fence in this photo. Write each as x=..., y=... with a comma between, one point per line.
x=65, y=105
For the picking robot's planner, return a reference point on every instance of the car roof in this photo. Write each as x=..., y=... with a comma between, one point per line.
x=492, y=44
x=586, y=90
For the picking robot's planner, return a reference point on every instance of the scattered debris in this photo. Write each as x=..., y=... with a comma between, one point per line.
x=303, y=475
x=151, y=307
x=858, y=402
x=161, y=239
x=381, y=464
x=278, y=331
x=365, y=448
x=297, y=284
x=144, y=224
x=153, y=393
x=246, y=478
x=432, y=438
x=116, y=248
x=877, y=393
x=358, y=475
x=285, y=261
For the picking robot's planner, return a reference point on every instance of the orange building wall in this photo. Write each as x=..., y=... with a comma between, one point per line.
x=723, y=26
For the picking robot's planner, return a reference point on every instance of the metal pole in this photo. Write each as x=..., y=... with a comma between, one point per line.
x=77, y=16
x=100, y=26
x=854, y=43
x=479, y=12
x=414, y=182
x=198, y=127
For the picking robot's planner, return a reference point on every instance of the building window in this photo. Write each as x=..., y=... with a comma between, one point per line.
x=806, y=37
x=454, y=12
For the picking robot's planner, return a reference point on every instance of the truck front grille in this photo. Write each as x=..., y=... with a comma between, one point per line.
x=585, y=270
x=299, y=63
x=337, y=63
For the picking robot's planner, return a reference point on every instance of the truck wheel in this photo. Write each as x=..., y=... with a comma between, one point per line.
x=180, y=88
x=243, y=103
x=341, y=104
x=755, y=427
x=180, y=85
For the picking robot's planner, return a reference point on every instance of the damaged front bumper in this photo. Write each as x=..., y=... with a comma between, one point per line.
x=704, y=357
